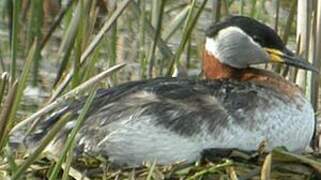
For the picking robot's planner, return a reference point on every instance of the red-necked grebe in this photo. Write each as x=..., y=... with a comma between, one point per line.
x=168, y=119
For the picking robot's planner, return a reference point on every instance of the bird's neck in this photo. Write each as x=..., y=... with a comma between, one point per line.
x=212, y=68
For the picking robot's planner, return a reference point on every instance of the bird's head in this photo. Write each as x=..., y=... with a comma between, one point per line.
x=240, y=41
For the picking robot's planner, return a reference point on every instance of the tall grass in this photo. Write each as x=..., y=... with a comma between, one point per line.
x=13, y=36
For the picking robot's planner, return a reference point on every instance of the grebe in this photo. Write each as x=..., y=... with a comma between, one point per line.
x=169, y=120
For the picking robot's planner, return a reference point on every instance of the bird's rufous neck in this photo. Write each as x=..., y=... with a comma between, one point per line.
x=212, y=68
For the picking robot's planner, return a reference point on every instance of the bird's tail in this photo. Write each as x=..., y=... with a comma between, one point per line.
x=21, y=139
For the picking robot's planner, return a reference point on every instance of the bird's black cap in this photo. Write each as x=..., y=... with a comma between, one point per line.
x=261, y=33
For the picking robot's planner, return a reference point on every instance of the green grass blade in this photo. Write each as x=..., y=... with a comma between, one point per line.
x=94, y=43
x=141, y=39
x=120, y=9
x=175, y=24
x=34, y=32
x=18, y=95
x=2, y=64
x=10, y=155
x=80, y=41
x=190, y=23
x=45, y=141
x=69, y=157
x=22, y=83
x=151, y=54
x=242, y=4
x=68, y=145
x=68, y=41
x=161, y=44
x=5, y=113
x=70, y=94
x=112, y=43
x=14, y=38
x=253, y=8
x=3, y=84
x=55, y=24
x=217, y=4
x=210, y=169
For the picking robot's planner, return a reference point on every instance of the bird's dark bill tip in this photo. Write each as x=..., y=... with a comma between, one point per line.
x=277, y=56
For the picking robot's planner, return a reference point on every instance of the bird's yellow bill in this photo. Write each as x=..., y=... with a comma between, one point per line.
x=277, y=56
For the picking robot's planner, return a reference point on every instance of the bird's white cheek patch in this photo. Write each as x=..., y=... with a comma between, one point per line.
x=233, y=47
x=211, y=46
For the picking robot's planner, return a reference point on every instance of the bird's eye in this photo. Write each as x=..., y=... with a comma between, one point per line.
x=256, y=39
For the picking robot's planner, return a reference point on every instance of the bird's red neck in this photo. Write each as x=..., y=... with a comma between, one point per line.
x=212, y=68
